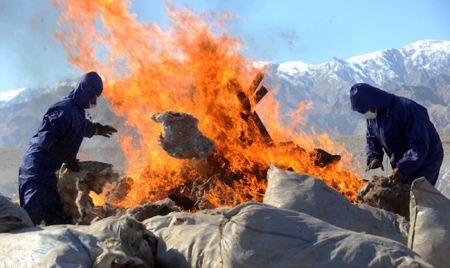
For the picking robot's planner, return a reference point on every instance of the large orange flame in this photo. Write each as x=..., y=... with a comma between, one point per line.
x=189, y=65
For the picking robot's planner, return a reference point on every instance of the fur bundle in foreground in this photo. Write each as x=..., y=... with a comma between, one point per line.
x=74, y=188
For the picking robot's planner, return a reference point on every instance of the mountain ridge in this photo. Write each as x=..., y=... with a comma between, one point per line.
x=420, y=71
x=423, y=66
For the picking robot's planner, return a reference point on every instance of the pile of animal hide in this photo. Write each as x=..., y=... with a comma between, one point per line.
x=390, y=195
x=177, y=126
x=74, y=188
x=149, y=210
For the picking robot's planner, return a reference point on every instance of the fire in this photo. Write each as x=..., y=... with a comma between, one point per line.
x=190, y=65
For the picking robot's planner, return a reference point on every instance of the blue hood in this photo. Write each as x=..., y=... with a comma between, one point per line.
x=365, y=97
x=87, y=87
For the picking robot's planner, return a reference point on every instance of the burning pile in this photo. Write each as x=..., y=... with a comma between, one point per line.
x=211, y=170
x=192, y=66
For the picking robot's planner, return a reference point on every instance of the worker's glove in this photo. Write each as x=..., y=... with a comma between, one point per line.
x=375, y=164
x=72, y=164
x=105, y=131
x=396, y=175
x=59, y=150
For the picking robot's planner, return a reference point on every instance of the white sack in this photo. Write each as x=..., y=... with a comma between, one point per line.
x=102, y=244
x=12, y=216
x=430, y=223
x=63, y=247
x=259, y=235
x=310, y=195
x=186, y=240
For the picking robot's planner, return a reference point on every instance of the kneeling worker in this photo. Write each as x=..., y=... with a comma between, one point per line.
x=57, y=141
x=403, y=129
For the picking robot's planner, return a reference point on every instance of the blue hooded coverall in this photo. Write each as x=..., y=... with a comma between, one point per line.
x=64, y=121
x=403, y=129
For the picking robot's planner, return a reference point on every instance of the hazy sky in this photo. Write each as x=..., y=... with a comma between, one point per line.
x=312, y=31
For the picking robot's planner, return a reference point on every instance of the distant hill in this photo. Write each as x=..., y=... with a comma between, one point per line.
x=420, y=71
x=20, y=120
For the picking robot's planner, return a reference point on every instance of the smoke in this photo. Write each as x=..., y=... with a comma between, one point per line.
x=266, y=37
x=30, y=58
x=291, y=40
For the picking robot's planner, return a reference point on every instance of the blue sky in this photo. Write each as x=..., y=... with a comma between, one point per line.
x=312, y=31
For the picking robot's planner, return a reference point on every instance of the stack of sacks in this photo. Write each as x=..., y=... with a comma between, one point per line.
x=430, y=223
x=112, y=242
x=12, y=216
x=310, y=195
x=260, y=235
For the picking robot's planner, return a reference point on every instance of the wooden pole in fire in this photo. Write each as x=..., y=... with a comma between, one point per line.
x=249, y=103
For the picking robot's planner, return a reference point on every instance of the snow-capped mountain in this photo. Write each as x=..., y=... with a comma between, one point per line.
x=22, y=95
x=69, y=83
x=374, y=68
x=420, y=71
x=8, y=98
x=20, y=118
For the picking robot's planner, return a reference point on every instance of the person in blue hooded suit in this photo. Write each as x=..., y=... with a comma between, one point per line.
x=402, y=128
x=57, y=141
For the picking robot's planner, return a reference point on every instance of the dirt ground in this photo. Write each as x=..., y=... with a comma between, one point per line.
x=10, y=159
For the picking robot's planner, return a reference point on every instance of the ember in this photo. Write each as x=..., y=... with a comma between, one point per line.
x=192, y=66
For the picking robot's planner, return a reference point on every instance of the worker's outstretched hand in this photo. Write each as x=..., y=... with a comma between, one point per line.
x=396, y=175
x=105, y=131
x=375, y=164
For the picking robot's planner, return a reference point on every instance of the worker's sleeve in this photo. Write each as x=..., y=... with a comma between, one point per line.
x=416, y=119
x=53, y=126
x=373, y=146
x=89, y=129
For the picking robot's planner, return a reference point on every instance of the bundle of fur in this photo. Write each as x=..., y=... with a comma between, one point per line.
x=74, y=188
x=381, y=192
x=183, y=139
x=149, y=210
